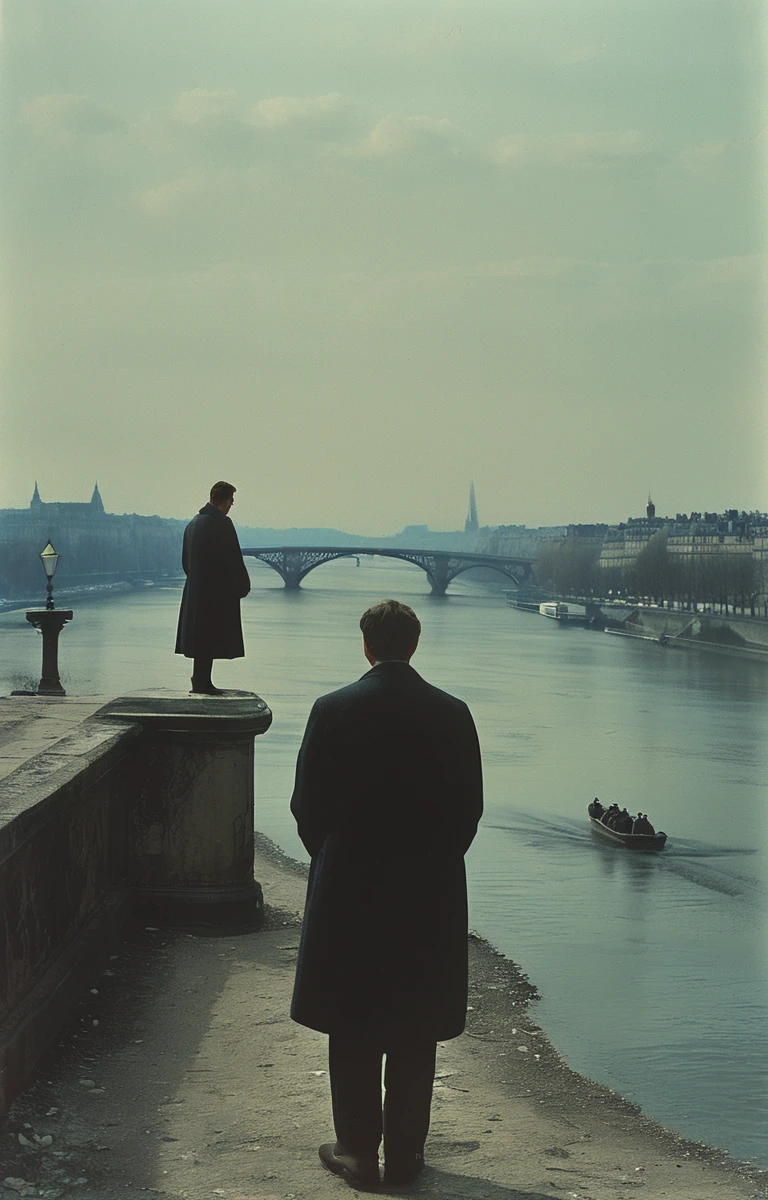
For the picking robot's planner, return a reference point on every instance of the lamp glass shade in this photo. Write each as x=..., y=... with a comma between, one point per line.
x=50, y=559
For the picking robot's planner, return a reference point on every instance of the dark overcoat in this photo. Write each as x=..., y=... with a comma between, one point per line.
x=387, y=800
x=217, y=580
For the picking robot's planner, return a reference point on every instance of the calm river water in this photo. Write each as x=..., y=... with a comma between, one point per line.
x=653, y=970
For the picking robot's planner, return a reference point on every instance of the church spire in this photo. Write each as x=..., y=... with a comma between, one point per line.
x=650, y=508
x=96, y=501
x=471, y=524
x=35, y=501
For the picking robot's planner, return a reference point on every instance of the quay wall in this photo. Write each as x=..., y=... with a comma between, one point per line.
x=705, y=629
x=145, y=807
x=63, y=887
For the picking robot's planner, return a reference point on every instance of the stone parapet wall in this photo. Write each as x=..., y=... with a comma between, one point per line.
x=63, y=885
x=147, y=805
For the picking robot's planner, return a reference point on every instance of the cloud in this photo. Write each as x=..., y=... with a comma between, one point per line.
x=394, y=137
x=310, y=112
x=581, y=149
x=200, y=105
x=168, y=198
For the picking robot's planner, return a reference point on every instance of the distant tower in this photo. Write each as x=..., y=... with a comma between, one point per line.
x=471, y=524
x=36, y=502
x=650, y=508
x=97, y=504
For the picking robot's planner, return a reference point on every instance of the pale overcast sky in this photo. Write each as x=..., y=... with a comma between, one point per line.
x=351, y=254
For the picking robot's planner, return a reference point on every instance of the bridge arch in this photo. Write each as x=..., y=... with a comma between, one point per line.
x=293, y=563
x=517, y=575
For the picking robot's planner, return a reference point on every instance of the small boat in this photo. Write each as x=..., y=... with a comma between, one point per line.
x=645, y=843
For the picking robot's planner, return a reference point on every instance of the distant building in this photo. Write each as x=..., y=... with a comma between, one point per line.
x=68, y=509
x=95, y=546
x=518, y=541
x=732, y=532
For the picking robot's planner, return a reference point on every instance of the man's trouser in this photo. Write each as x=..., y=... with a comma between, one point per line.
x=201, y=671
x=355, y=1071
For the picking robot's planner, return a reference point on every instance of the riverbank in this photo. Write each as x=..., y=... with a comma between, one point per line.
x=183, y=1076
x=737, y=635
x=91, y=591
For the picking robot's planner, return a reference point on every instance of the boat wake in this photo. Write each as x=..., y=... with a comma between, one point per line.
x=690, y=859
x=695, y=862
x=544, y=831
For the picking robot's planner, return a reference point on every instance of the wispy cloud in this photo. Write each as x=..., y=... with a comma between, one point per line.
x=584, y=148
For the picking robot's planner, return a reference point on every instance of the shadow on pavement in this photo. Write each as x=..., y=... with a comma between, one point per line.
x=447, y=1186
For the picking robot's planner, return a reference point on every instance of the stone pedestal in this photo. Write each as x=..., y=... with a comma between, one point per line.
x=190, y=806
x=50, y=622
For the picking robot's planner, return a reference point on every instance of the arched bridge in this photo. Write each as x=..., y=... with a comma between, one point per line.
x=293, y=563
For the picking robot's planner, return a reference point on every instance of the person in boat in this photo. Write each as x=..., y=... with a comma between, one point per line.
x=643, y=825
x=623, y=822
x=610, y=815
x=596, y=809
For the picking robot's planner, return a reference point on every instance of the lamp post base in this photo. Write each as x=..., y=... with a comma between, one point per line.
x=50, y=622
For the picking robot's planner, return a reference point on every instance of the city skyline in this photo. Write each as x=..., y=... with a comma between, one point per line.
x=348, y=256
x=95, y=504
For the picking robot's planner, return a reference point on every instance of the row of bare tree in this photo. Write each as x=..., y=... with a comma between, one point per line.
x=719, y=579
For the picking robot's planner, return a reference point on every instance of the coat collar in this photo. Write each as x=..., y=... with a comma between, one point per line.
x=392, y=668
x=210, y=510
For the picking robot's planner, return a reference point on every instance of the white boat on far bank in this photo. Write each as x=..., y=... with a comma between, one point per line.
x=554, y=609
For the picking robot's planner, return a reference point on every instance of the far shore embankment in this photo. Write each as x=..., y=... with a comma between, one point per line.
x=678, y=628
x=732, y=633
x=91, y=591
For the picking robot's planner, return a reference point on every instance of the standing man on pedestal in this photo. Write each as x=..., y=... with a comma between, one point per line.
x=387, y=800
x=217, y=580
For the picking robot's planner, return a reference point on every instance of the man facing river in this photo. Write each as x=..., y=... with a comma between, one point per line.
x=387, y=799
x=217, y=580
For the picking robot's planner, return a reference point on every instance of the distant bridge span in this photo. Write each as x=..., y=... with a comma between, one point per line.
x=293, y=563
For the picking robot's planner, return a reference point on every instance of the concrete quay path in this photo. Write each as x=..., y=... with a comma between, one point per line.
x=181, y=1076
x=30, y=725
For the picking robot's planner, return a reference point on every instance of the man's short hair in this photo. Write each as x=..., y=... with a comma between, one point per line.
x=222, y=491
x=390, y=629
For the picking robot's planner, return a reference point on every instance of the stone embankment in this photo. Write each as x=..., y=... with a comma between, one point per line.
x=735, y=634
x=144, y=802
x=179, y=1073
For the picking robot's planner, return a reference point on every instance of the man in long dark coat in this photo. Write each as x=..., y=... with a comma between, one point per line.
x=217, y=580
x=387, y=800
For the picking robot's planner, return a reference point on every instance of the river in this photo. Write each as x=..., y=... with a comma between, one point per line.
x=653, y=971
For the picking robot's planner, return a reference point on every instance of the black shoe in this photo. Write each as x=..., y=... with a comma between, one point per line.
x=399, y=1172
x=358, y=1172
x=205, y=689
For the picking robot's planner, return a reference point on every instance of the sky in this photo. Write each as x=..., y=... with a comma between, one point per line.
x=352, y=254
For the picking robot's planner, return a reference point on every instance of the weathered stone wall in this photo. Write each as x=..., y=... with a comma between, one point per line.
x=63, y=886
x=148, y=805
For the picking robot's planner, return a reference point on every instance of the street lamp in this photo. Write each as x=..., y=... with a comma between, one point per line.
x=50, y=621
x=50, y=561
